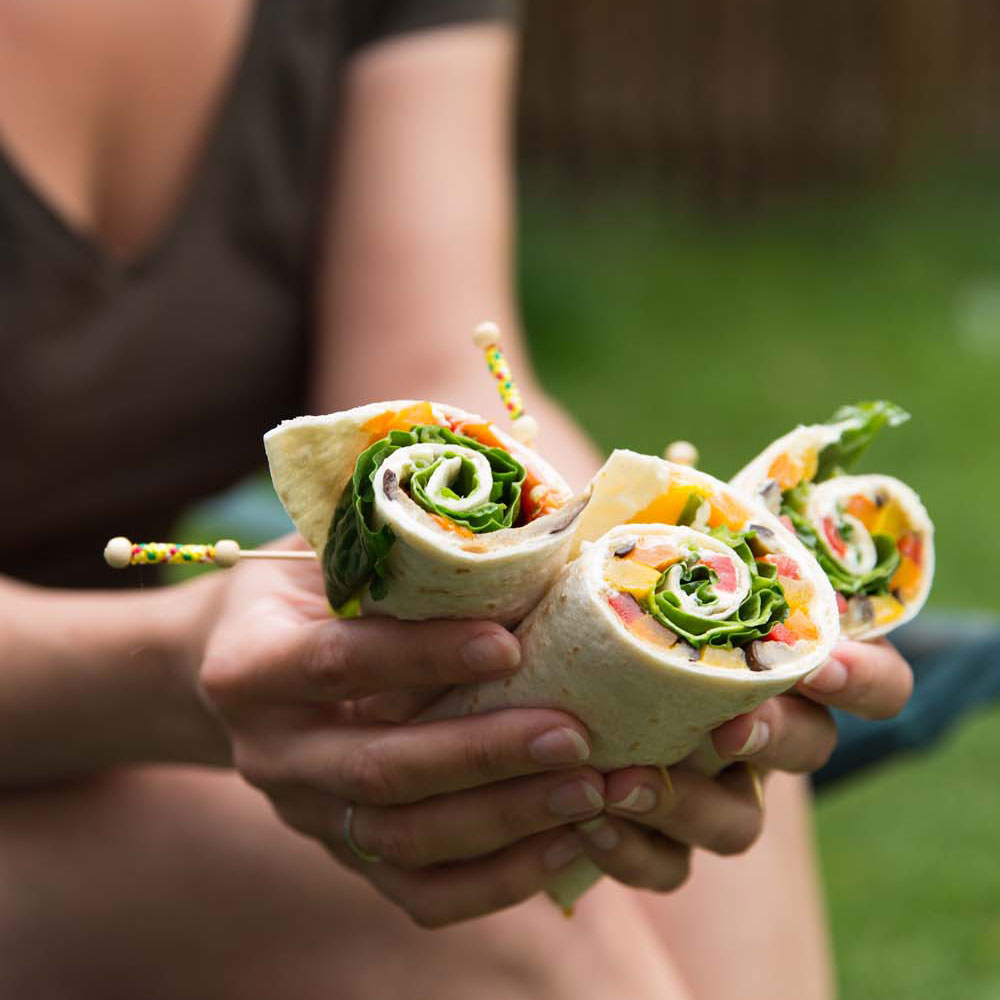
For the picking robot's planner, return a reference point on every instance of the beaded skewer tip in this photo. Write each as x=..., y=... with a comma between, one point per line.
x=120, y=552
x=681, y=453
x=486, y=337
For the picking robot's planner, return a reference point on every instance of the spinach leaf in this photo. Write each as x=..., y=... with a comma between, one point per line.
x=356, y=552
x=763, y=608
x=871, y=417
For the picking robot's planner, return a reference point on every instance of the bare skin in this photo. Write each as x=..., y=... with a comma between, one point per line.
x=118, y=872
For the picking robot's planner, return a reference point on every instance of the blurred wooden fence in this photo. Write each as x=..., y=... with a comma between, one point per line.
x=744, y=98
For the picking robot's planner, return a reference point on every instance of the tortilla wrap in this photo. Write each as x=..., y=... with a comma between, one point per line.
x=828, y=502
x=433, y=568
x=642, y=701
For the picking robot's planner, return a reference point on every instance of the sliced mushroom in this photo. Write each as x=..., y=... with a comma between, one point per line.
x=770, y=495
x=563, y=518
x=390, y=484
x=761, y=543
x=767, y=655
x=860, y=611
x=624, y=550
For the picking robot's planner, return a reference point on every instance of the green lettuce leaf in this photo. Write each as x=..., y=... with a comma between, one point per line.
x=874, y=583
x=840, y=455
x=355, y=553
x=763, y=608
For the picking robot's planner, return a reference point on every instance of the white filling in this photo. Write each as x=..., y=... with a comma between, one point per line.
x=860, y=557
x=726, y=602
x=406, y=461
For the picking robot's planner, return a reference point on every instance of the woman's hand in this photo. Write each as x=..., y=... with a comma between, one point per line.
x=653, y=820
x=467, y=815
x=794, y=732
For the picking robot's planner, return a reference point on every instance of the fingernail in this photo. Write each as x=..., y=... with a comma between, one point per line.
x=641, y=799
x=827, y=679
x=600, y=833
x=491, y=654
x=577, y=798
x=757, y=740
x=559, y=746
x=562, y=852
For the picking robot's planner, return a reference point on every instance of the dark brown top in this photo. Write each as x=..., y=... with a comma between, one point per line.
x=128, y=392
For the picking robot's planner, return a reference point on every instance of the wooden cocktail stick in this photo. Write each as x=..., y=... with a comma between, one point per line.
x=120, y=552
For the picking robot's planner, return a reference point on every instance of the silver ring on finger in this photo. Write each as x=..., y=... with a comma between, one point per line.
x=372, y=859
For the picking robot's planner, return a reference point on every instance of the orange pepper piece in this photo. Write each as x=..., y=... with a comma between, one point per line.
x=863, y=509
x=728, y=512
x=667, y=507
x=785, y=471
x=658, y=555
x=482, y=433
x=399, y=420
x=790, y=470
x=906, y=579
x=448, y=525
x=648, y=628
x=799, y=623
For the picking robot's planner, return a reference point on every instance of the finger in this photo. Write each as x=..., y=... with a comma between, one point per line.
x=635, y=856
x=786, y=733
x=436, y=897
x=471, y=824
x=395, y=706
x=721, y=815
x=334, y=660
x=394, y=765
x=869, y=679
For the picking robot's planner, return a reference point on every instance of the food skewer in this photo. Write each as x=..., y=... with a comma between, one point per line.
x=486, y=336
x=120, y=552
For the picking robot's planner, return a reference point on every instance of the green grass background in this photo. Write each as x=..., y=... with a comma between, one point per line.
x=652, y=323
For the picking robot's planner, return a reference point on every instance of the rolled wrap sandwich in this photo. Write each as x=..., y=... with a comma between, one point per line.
x=421, y=510
x=870, y=533
x=685, y=606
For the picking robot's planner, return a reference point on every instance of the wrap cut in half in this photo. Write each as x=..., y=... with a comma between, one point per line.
x=687, y=605
x=421, y=510
x=870, y=533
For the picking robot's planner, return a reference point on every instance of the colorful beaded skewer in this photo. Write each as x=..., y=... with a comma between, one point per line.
x=120, y=552
x=486, y=336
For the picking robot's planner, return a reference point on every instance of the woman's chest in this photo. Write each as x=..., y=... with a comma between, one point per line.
x=106, y=107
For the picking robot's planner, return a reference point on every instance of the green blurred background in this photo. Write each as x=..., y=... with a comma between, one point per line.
x=735, y=217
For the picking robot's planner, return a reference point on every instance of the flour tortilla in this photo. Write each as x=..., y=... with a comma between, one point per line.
x=642, y=703
x=754, y=476
x=432, y=572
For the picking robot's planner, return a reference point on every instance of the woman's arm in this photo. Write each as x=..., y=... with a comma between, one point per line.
x=418, y=242
x=94, y=680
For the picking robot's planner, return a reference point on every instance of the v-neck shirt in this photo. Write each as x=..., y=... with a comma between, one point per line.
x=128, y=391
